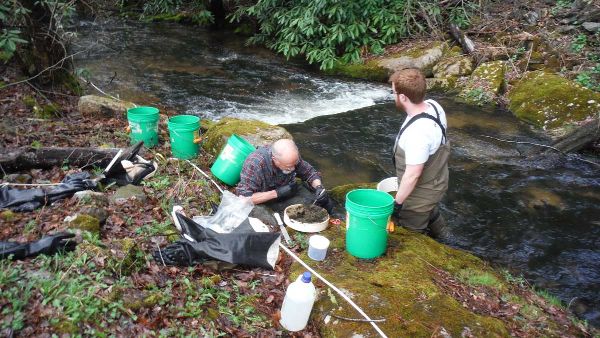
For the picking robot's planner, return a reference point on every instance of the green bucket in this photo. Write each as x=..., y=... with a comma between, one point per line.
x=184, y=137
x=143, y=125
x=368, y=213
x=228, y=165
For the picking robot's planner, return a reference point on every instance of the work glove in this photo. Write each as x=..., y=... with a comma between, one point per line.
x=48, y=245
x=320, y=195
x=138, y=170
x=397, y=208
x=52, y=244
x=286, y=191
x=322, y=199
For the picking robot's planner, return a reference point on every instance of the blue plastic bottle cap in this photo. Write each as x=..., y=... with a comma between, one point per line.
x=306, y=277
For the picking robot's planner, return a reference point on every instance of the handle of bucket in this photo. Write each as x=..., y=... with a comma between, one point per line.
x=387, y=225
x=128, y=129
x=197, y=138
x=387, y=228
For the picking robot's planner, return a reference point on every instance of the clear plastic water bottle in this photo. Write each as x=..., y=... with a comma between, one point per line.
x=298, y=302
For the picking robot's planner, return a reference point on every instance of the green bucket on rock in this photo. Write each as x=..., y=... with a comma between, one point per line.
x=228, y=165
x=143, y=125
x=184, y=137
x=368, y=213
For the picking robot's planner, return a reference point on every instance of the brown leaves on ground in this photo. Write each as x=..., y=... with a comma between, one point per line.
x=525, y=313
x=260, y=289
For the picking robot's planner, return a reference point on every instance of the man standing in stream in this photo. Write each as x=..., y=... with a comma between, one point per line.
x=420, y=156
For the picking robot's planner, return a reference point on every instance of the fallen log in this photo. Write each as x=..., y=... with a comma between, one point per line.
x=467, y=44
x=16, y=159
x=579, y=138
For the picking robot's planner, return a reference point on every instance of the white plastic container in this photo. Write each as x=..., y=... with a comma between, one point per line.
x=298, y=302
x=317, y=247
x=388, y=184
x=303, y=227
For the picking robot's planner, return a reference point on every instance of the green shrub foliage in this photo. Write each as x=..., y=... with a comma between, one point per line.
x=327, y=31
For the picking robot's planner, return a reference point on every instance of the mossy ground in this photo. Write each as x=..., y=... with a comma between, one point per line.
x=423, y=288
x=549, y=101
x=339, y=193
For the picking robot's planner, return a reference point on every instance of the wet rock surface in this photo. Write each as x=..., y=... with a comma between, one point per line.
x=102, y=107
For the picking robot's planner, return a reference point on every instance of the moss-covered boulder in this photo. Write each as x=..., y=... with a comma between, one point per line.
x=85, y=222
x=485, y=83
x=7, y=216
x=549, y=101
x=423, y=288
x=18, y=178
x=121, y=256
x=91, y=198
x=368, y=70
x=127, y=192
x=423, y=57
x=136, y=299
x=453, y=66
x=125, y=256
x=339, y=193
x=64, y=326
x=256, y=132
x=445, y=84
x=46, y=111
x=102, y=107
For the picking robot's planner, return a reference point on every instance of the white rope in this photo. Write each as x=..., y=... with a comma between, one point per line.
x=205, y=175
x=30, y=184
x=289, y=252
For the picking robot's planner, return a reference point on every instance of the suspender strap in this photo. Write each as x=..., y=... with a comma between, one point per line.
x=416, y=117
x=439, y=121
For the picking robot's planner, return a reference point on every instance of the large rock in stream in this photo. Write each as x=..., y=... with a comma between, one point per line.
x=549, y=101
x=256, y=132
x=423, y=57
x=485, y=83
x=102, y=107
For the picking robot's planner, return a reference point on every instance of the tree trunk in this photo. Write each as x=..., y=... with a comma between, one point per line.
x=467, y=44
x=12, y=160
x=579, y=138
x=45, y=56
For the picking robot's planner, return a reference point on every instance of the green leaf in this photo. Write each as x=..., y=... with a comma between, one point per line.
x=10, y=46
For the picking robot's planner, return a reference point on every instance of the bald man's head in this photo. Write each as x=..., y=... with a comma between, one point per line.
x=285, y=155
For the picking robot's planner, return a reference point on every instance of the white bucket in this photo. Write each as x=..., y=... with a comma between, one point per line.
x=317, y=247
x=388, y=184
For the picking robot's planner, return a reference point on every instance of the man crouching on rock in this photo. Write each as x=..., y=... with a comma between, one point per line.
x=269, y=175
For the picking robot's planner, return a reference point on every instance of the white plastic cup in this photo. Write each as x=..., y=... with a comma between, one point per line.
x=317, y=247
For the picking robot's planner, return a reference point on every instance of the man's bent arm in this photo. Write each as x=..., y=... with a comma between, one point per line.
x=261, y=197
x=409, y=181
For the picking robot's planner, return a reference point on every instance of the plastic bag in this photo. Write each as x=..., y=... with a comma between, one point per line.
x=200, y=244
x=232, y=211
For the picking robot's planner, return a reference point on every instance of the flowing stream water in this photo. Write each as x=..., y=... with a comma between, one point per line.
x=534, y=219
